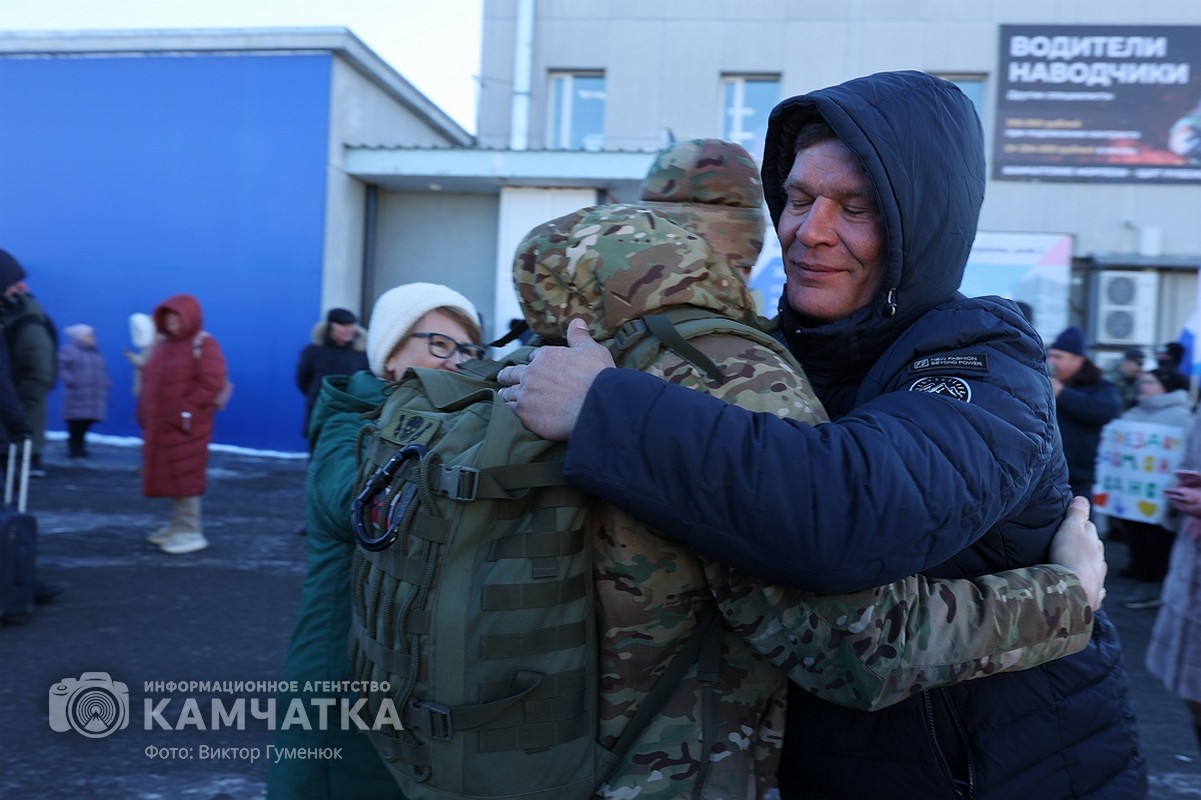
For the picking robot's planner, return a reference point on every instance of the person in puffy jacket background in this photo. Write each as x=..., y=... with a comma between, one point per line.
x=32, y=342
x=1084, y=402
x=85, y=386
x=338, y=347
x=181, y=380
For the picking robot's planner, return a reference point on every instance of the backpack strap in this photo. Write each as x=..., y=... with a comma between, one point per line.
x=554, y=721
x=708, y=672
x=515, y=333
x=502, y=482
x=663, y=328
x=704, y=644
x=637, y=342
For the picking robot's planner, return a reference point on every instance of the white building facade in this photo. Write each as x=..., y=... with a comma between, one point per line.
x=574, y=98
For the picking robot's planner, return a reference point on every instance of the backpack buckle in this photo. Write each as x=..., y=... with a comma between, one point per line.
x=629, y=332
x=458, y=483
x=431, y=718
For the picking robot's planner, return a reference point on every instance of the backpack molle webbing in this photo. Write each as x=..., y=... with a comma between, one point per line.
x=505, y=577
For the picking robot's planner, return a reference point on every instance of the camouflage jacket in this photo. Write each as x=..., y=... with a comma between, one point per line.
x=610, y=264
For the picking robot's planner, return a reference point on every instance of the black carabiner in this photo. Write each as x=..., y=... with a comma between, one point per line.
x=359, y=515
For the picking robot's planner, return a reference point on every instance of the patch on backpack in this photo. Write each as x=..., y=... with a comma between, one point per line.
x=946, y=385
x=411, y=428
x=977, y=362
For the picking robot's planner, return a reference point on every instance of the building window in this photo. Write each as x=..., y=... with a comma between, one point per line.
x=746, y=102
x=577, y=111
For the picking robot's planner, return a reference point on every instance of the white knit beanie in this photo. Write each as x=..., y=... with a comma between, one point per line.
x=397, y=311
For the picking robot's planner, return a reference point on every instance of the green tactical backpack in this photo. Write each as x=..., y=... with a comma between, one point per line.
x=473, y=629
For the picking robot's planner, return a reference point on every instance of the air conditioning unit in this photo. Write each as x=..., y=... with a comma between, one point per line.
x=1127, y=307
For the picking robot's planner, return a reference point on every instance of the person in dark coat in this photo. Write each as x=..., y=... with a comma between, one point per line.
x=942, y=455
x=32, y=345
x=180, y=383
x=339, y=347
x=14, y=429
x=85, y=386
x=1084, y=402
x=1170, y=356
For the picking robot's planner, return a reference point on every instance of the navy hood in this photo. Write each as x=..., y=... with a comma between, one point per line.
x=921, y=142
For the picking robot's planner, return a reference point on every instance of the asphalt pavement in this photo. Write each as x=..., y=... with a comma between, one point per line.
x=197, y=640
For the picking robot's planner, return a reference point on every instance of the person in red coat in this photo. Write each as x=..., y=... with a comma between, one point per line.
x=180, y=382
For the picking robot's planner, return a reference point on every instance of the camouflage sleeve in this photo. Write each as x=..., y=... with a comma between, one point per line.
x=877, y=647
x=755, y=378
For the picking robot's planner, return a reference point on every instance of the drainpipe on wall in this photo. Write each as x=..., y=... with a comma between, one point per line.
x=370, y=223
x=519, y=121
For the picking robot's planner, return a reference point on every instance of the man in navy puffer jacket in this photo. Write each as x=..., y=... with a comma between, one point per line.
x=943, y=455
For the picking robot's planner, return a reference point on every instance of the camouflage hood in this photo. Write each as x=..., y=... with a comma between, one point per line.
x=712, y=188
x=613, y=263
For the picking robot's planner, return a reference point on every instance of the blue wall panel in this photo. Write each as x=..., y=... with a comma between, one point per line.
x=126, y=180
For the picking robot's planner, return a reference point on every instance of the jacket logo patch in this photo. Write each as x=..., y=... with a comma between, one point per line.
x=977, y=362
x=946, y=385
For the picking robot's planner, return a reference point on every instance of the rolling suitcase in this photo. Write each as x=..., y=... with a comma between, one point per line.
x=18, y=540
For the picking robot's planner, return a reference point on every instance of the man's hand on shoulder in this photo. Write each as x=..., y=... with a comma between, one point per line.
x=548, y=393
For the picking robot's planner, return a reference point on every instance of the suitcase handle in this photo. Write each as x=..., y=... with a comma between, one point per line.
x=23, y=489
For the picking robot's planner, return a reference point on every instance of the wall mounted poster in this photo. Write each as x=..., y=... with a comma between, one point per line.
x=1099, y=103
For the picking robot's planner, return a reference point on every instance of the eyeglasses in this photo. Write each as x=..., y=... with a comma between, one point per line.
x=442, y=346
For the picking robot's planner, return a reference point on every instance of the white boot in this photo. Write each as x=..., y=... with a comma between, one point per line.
x=184, y=542
x=185, y=524
x=161, y=535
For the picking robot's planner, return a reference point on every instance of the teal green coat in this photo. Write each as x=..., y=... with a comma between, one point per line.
x=318, y=649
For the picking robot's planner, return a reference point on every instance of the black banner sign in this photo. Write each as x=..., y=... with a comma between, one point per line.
x=1099, y=103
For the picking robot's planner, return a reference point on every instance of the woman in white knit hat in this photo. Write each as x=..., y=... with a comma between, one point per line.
x=421, y=325
x=414, y=325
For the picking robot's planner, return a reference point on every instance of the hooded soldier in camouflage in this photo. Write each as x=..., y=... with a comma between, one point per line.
x=609, y=265
x=712, y=188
